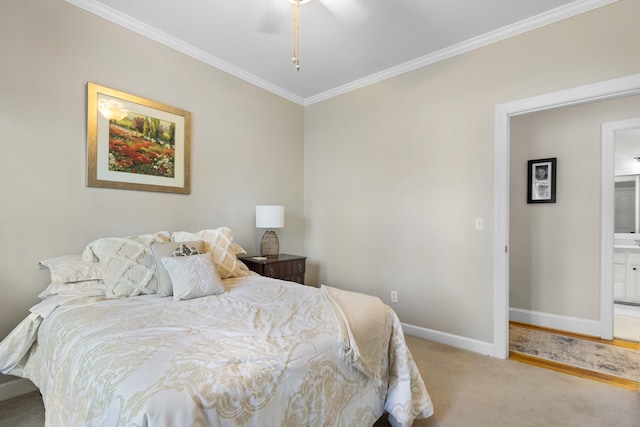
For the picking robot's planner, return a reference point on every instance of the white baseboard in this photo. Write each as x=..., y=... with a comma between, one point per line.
x=15, y=388
x=626, y=310
x=553, y=321
x=449, y=339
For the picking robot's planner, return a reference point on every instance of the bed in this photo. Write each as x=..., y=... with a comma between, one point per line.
x=255, y=351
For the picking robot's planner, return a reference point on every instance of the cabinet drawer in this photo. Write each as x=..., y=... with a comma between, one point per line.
x=619, y=257
x=634, y=258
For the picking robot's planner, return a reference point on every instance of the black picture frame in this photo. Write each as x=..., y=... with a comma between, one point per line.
x=541, y=180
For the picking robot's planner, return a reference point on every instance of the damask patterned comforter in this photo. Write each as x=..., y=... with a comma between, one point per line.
x=264, y=353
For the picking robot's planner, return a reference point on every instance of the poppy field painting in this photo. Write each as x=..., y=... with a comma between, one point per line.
x=142, y=144
x=136, y=144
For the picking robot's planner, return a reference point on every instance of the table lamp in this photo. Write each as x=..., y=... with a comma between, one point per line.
x=269, y=217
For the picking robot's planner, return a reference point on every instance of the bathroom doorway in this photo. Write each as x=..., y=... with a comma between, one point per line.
x=623, y=137
x=504, y=112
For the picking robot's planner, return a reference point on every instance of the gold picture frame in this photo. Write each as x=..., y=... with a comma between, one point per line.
x=136, y=144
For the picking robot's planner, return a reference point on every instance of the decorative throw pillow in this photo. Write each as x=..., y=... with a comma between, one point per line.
x=167, y=249
x=71, y=268
x=193, y=276
x=127, y=262
x=218, y=242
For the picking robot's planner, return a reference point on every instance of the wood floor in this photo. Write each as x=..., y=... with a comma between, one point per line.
x=573, y=370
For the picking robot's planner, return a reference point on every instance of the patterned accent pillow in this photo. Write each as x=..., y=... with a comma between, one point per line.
x=128, y=263
x=185, y=250
x=219, y=243
x=168, y=249
x=193, y=276
x=71, y=268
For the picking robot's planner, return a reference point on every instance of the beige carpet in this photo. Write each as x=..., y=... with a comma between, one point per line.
x=470, y=390
x=22, y=411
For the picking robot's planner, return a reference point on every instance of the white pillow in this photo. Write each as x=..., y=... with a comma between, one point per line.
x=220, y=243
x=167, y=249
x=127, y=262
x=71, y=268
x=86, y=287
x=193, y=276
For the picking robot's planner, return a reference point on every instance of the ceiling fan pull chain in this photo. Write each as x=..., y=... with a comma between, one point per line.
x=296, y=34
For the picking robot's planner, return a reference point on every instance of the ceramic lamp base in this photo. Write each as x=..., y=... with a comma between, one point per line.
x=269, y=245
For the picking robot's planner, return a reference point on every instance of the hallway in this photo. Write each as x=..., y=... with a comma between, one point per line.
x=612, y=361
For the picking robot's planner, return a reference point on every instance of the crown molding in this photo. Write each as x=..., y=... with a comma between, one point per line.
x=546, y=18
x=152, y=33
x=567, y=11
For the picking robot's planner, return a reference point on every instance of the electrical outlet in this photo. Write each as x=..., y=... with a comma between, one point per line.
x=394, y=296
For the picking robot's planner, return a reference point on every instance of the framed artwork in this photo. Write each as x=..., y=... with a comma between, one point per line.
x=135, y=143
x=541, y=180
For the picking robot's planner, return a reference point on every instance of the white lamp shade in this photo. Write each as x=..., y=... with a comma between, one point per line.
x=269, y=216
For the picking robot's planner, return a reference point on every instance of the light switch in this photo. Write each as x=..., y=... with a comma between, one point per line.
x=479, y=224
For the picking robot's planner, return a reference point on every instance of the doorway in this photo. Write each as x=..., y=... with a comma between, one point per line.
x=605, y=90
x=621, y=164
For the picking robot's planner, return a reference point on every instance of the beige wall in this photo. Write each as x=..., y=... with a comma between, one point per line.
x=555, y=248
x=397, y=172
x=247, y=145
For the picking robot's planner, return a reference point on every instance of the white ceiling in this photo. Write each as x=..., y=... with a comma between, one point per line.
x=359, y=43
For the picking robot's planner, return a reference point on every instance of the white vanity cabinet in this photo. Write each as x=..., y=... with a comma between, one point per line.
x=626, y=275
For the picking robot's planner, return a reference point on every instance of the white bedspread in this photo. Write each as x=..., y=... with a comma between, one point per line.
x=266, y=352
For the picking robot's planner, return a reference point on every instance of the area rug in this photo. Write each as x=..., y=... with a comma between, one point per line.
x=586, y=354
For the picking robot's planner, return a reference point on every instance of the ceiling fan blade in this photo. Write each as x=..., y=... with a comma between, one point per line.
x=274, y=17
x=350, y=11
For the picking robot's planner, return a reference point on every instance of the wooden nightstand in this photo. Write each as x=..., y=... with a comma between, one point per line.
x=284, y=266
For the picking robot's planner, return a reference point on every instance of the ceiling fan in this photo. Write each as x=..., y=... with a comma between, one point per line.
x=350, y=11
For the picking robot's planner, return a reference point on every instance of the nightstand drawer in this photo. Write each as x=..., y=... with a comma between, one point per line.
x=278, y=270
x=299, y=267
x=284, y=267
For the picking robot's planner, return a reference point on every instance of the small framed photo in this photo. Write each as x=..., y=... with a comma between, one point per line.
x=541, y=180
x=134, y=143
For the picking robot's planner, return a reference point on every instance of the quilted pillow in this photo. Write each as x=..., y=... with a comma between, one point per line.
x=236, y=249
x=71, y=268
x=219, y=243
x=127, y=262
x=193, y=276
x=168, y=249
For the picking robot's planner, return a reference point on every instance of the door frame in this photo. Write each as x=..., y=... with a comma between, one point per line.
x=629, y=85
x=608, y=219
